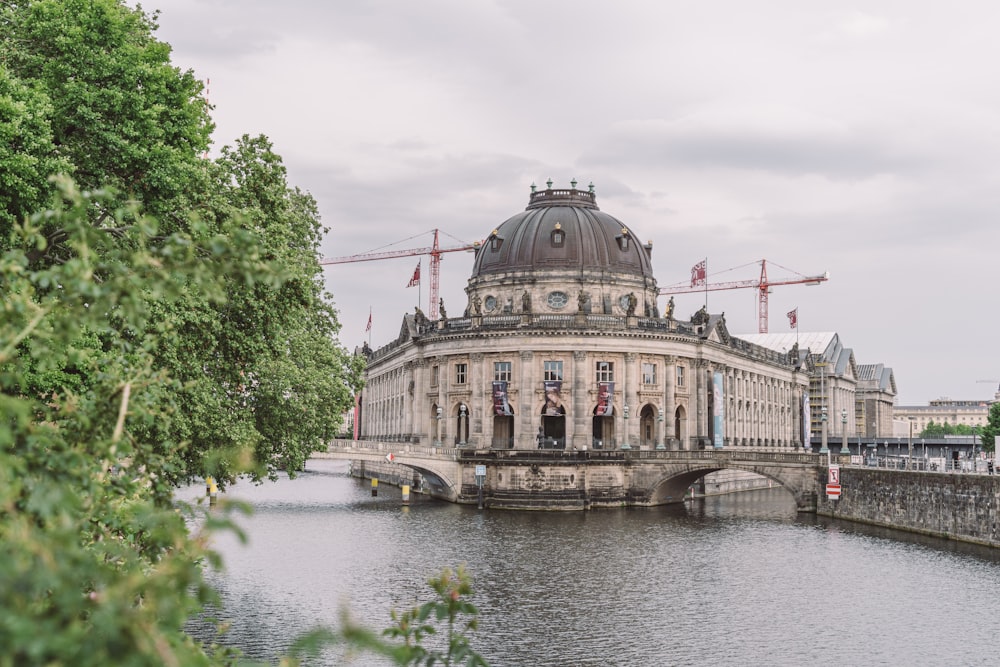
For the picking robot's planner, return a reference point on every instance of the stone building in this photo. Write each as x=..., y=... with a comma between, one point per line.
x=969, y=412
x=565, y=343
x=858, y=397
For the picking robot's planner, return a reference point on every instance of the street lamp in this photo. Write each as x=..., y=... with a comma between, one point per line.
x=974, y=448
x=909, y=446
x=843, y=426
x=625, y=444
x=822, y=431
x=659, y=418
x=463, y=423
x=822, y=397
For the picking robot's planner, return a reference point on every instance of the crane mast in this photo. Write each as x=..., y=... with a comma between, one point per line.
x=762, y=285
x=435, y=251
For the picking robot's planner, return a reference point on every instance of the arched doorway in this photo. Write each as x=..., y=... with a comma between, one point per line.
x=680, y=427
x=552, y=432
x=604, y=428
x=503, y=430
x=647, y=427
x=437, y=427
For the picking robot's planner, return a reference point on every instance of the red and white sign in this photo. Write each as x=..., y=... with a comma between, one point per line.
x=390, y=457
x=834, y=476
x=833, y=491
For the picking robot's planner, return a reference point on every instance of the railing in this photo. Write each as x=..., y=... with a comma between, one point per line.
x=372, y=447
x=937, y=464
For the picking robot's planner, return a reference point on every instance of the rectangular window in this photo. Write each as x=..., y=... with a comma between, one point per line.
x=680, y=376
x=648, y=373
x=553, y=370
x=605, y=371
x=461, y=371
x=434, y=376
x=501, y=371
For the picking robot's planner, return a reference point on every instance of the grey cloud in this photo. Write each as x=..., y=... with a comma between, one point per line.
x=744, y=144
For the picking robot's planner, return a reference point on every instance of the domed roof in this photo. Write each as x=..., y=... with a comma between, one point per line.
x=562, y=229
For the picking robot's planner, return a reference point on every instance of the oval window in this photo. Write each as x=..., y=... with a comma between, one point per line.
x=557, y=300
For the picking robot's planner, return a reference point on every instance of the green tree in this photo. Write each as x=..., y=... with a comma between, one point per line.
x=27, y=153
x=933, y=430
x=123, y=116
x=258, y=374
x=992, y=429
x=95, y=561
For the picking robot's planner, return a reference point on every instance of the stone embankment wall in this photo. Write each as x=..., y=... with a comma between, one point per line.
x=950, y=505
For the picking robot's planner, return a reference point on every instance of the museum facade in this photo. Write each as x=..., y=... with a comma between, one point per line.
x=564, y=344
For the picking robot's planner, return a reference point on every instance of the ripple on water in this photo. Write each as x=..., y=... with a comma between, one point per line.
x=730, y=580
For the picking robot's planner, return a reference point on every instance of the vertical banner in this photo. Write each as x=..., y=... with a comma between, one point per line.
x=553, y=398
x=806, y=422
x=605, y=399
x=501, y=406
x=718, y=411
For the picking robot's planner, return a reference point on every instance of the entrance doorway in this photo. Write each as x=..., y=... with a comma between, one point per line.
x=503, y=432
x=604, y=431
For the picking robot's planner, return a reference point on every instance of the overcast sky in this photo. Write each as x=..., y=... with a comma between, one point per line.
x=821, y=137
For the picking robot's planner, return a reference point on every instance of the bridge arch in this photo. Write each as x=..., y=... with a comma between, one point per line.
x=673, y=480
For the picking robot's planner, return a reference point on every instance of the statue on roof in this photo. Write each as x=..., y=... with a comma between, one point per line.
x=525, y=302
x=441, y=310
x=700, y=317
x=632, y=302
x=419, y=317
x=670, y=309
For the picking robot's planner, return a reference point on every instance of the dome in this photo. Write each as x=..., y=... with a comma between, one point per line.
x=563, y=230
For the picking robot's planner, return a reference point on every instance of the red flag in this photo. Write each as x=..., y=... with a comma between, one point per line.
x=369, y=327
x=415, y=280
x=699, y=273
x=793, y=319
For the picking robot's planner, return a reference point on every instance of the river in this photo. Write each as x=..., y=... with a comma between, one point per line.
x=729, y=580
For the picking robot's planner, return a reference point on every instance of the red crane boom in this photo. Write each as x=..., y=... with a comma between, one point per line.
x=762, y=285
x=435, y=251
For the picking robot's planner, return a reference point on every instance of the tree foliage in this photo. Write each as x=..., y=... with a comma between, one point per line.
x=933, y=430
x=95, y=562
x=411, y=638
x=992, y=428
x=92, y=93
x=163, y=317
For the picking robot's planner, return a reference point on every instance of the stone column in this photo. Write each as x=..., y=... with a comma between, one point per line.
x=444, y=424
x=527, y=417
x=480, y=425
x=701, y=418
x=629, y=387
x=582, y=417
x=669, y=402
x=419, y=401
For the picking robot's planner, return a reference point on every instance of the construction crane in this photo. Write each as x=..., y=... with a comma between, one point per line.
x=762, y=285
x=435, y=251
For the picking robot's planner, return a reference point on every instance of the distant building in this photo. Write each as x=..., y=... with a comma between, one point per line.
x=858, y=397
x=947, y=411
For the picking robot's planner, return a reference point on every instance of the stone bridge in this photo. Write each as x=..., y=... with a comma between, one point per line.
x=560, y=479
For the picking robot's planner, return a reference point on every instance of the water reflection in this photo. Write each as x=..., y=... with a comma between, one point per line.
x=728, y=580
